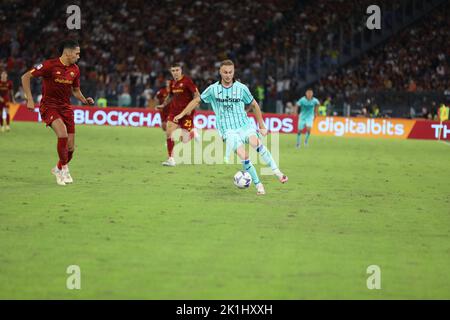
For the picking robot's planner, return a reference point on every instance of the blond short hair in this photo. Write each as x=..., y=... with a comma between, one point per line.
x=227, y=62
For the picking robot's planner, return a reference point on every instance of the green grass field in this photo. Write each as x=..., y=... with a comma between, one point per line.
x=142, y=231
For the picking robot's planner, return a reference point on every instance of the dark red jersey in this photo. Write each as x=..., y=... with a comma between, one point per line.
x=58, y=81
x=182, y=92
x=5, y=89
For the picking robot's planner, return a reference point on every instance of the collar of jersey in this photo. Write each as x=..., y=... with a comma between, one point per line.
x=234, y=81
x=62, y=62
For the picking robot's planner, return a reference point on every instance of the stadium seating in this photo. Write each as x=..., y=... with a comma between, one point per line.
x=130, y=44
x=414, y=61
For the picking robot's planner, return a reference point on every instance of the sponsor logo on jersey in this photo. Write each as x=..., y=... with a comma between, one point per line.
x=63, y=81
x=228, y=99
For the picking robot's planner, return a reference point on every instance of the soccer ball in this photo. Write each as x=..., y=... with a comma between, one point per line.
x=242, y=179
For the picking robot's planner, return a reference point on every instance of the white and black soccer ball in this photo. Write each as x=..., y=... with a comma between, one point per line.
x=242, y=179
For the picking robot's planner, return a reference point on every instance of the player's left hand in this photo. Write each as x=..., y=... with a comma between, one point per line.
x=263, y=131
x=90, y=101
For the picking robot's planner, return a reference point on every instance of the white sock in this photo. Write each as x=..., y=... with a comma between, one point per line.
x=278, y=173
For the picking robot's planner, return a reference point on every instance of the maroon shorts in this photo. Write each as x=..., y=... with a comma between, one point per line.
x=186, y=123
x=3, y=106
x=49, y=115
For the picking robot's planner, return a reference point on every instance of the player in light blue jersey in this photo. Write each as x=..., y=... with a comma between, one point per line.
x=308, y=107
x=228, y=99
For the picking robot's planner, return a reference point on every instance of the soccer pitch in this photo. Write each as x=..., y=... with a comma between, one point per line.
x=138, y=230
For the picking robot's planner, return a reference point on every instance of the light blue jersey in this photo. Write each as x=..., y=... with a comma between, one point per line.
x=234, y=125
x=307, y=107
x=229, y=105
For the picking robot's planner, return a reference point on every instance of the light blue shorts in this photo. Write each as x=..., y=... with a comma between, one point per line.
x=305, y=122
x=237, y=137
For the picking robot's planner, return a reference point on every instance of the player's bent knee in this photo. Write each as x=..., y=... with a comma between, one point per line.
x=169, y=132
x=60, y=128
x=242, y=153
x=62, y=133
x=254, y=142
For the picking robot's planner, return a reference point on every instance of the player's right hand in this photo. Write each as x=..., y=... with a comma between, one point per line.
x=30, y=104
x=178, y=117
x=263, y=131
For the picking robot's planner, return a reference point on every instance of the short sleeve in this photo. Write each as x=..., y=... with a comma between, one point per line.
x=207, y=95
x=191, y=86
x=299, y=102
x=316, y=102
x=247, y=96
x=42, y=70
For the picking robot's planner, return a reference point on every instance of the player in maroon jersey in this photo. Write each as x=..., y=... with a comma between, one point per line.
x=61, y=80
x=161, y=95
x=6, y=96
x=182, y=91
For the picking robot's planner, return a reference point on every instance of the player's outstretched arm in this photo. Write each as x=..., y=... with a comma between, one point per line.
x=26, y=80
x=77, y=94
x=191, y=106
x=259, y=117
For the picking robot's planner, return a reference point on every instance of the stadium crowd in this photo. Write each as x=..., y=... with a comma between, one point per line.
x=128, y=45
x=414, y=61
x=417, y=59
